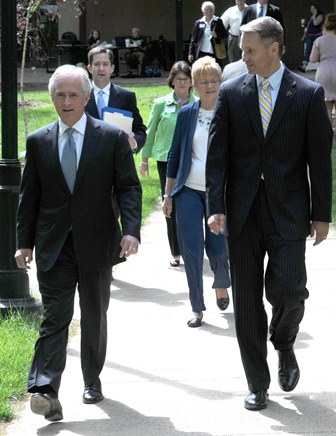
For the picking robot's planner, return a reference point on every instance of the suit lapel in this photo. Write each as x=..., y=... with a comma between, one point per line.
x=91, y=106
x=91, y=137
x=250, y=96
x=51, y=154
x=114, y=97
x=285, y=97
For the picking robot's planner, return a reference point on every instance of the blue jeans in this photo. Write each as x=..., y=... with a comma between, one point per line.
x=193, y=235
x=309, y=41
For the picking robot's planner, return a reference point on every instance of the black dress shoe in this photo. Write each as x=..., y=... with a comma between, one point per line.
x=92, y=394
x=197, y=321
x=256, y=400
x=222, y=303
x=289, y=372
x=47, y=405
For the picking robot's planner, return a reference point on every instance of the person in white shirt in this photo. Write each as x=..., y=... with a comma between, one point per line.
x=232, y=18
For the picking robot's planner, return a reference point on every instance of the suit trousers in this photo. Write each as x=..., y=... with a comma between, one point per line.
x=190, y=216
x=171, y=222
x=234, y=52
x=285, y=289
x=57, y=288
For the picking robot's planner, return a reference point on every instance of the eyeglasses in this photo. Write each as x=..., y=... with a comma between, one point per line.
x=205, y=83
x=180, y=80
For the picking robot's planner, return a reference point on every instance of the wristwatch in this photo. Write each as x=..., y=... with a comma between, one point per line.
x=166, y=196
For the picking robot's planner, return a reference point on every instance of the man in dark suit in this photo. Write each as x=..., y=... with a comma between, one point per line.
x=261, y=9
x=65, y=213
x=101, y=68
x=269, y=186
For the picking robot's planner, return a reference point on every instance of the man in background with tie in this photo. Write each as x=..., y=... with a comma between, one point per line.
x=261, y=9
x=105, y=93
x=269, y=185
x=65, y=213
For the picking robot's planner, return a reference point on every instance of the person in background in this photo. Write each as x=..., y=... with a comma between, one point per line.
x=232, y=19
x=324, y=52
x=160, y=130
x=262, y=9
x=137, y=49
x=234, y=69
x=65, y=212
x=94, y=38
x=312, y=31
x=207, y=30
x=269, y=185
x=185, y=191
x=101, y=67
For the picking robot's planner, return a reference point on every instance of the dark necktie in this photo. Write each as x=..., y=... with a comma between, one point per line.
x=100, y=104
x=69, y=159
x=261, y=11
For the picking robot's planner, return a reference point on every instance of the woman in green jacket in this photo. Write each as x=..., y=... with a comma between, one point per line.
x=160, y=130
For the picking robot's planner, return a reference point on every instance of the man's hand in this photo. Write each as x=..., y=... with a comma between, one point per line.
x=23, y=257
x=320, y=229
x=129, y=245
x=216, y=223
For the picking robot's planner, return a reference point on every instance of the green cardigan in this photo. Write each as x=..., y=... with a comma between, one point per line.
x=161, y=126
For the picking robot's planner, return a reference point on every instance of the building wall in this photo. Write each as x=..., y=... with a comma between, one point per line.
x=156, y=18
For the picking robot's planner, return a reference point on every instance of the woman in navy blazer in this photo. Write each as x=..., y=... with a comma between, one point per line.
x=186, y=183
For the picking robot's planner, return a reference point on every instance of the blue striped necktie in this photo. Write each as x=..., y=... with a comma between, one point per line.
x=265, y=104
x=261, y=11
x=100, y=103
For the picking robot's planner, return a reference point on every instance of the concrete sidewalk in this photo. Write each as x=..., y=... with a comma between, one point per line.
x=162, y=378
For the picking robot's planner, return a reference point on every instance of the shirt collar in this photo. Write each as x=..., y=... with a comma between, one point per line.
x=275, y=78
x=106, y=90
x=80, y=126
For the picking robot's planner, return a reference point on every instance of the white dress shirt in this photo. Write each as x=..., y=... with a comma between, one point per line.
x=106, y=92
x=232, y=18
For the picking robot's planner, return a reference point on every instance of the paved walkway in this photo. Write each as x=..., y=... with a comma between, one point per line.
x=162, y=378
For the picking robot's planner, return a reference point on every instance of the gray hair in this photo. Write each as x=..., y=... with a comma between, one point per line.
x=205, y=4
x=73, y=70
x=269, y=30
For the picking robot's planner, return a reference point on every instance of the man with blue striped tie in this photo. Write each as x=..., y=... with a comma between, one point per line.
x=269, y=185
x=261, y=9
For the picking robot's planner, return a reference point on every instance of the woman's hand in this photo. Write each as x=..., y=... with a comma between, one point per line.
x=144, y=167
x=167, y=206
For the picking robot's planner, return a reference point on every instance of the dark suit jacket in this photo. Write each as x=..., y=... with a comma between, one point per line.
x=250, y=13
x=122, y=98
x=298, y=139
x=199, y=27
x=47, y=209
x=179, y=161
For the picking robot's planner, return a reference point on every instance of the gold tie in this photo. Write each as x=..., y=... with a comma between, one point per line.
x=265, y=104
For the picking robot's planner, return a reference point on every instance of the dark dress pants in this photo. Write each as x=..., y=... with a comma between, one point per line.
x=285, y=289
x=171, y=222
x=57, y=287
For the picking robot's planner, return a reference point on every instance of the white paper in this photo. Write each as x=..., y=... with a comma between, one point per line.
x=119, y=120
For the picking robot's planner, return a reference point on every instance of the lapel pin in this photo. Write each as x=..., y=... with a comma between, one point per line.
x=289, y=93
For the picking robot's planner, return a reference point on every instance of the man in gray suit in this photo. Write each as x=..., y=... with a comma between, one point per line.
x=269, y=186
x=65, y=212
